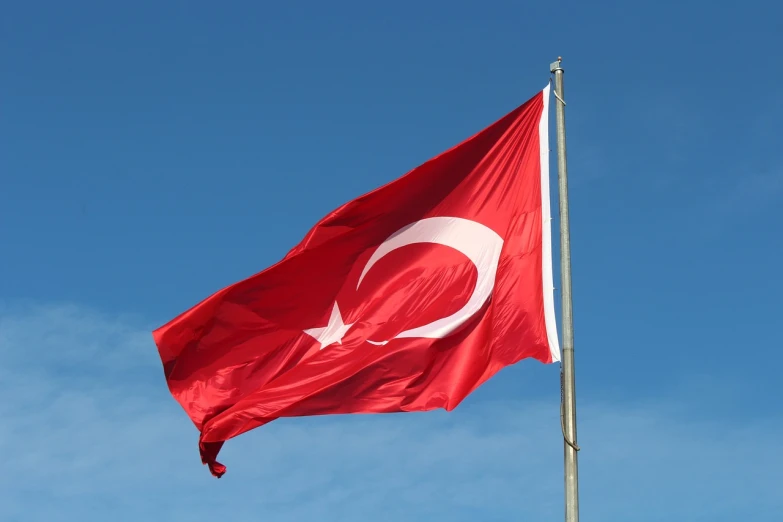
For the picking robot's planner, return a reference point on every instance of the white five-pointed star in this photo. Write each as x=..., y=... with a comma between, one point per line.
x=331, y=333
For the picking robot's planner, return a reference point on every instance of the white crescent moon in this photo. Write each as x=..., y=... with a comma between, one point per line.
x=479, y=243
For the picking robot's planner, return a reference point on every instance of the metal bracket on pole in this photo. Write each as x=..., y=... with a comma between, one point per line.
x=553, y=68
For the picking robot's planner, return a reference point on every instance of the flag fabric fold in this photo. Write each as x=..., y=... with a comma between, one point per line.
x=405, y=299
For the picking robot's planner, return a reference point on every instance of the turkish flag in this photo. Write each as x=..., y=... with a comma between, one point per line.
x=405, y=299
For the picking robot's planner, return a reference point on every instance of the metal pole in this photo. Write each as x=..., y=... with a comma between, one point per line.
x=568, y=406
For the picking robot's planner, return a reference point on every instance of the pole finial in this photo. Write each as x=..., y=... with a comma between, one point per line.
x=555, y=66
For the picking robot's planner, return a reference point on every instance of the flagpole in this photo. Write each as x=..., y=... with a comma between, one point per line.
x=568, y=406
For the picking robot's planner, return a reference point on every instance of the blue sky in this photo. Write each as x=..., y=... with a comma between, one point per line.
x=155, y=152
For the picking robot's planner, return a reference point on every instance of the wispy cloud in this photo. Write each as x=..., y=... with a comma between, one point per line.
x=90, y=433
x=754, y=191
x=736, y=200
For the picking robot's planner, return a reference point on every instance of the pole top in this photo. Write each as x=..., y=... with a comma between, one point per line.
x=555, y=66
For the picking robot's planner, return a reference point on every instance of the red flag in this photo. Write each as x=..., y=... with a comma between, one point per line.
x=405, y=299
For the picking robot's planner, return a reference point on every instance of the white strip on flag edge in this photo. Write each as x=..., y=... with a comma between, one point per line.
x=546, y=237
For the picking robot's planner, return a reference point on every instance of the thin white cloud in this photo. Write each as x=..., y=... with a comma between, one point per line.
x=730, y=204
x=753, y=191
x=89, y=432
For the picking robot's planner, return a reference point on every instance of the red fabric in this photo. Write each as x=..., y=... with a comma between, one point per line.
x=241, y=358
